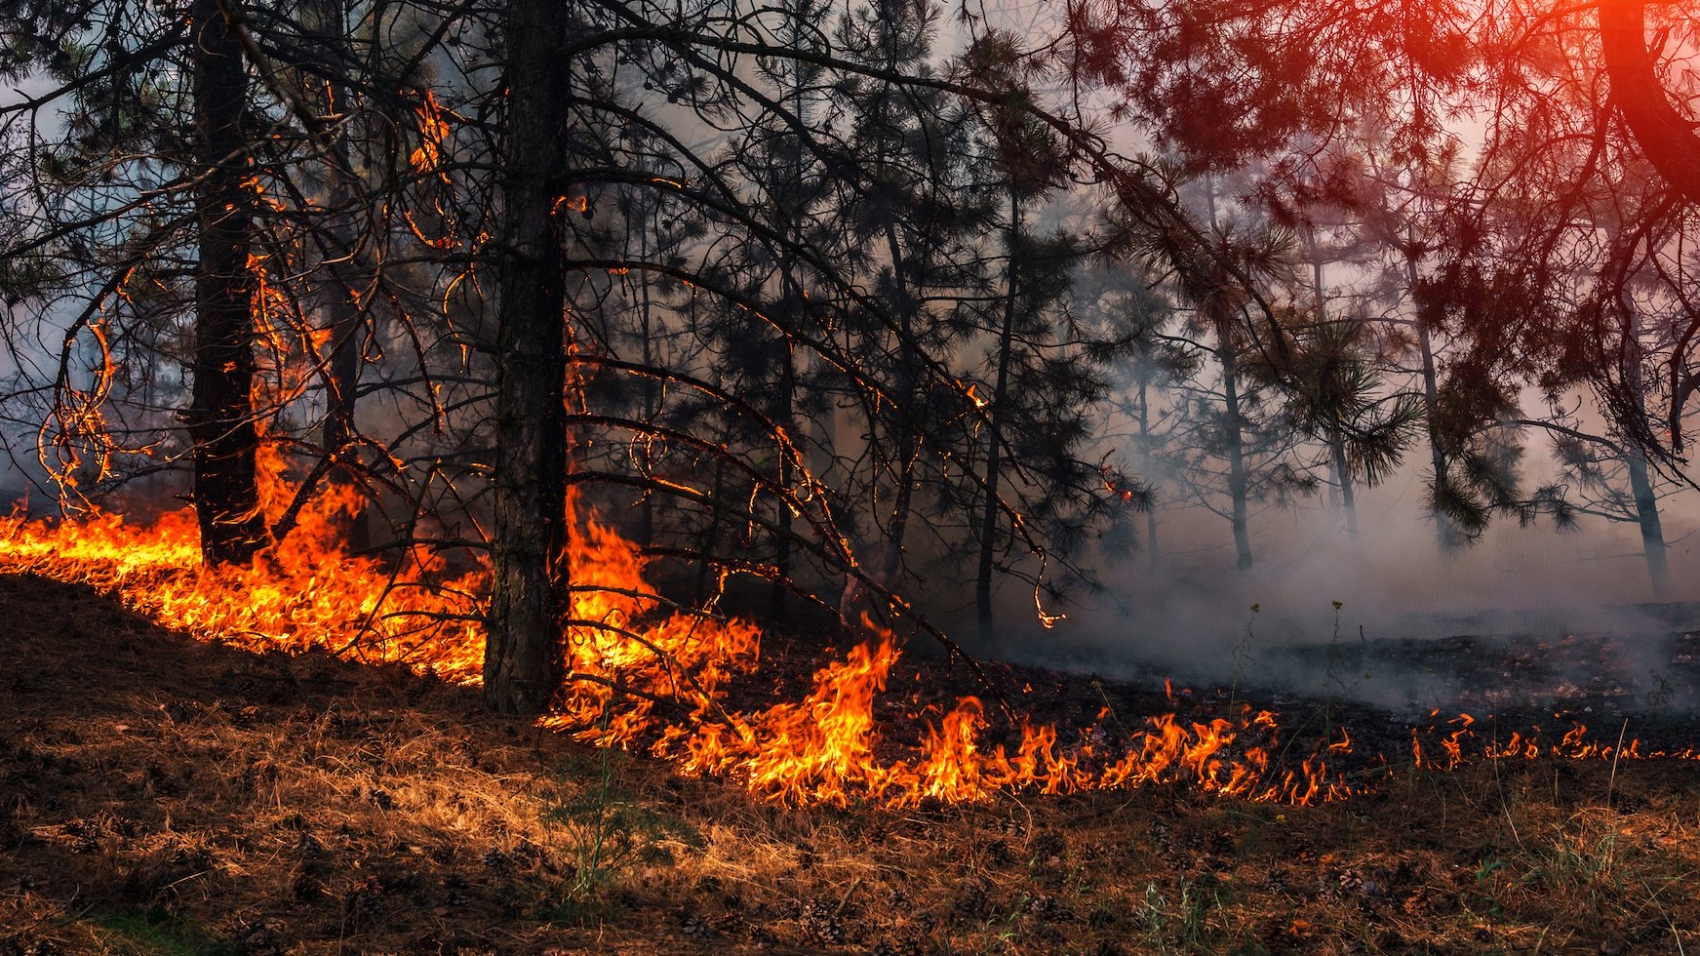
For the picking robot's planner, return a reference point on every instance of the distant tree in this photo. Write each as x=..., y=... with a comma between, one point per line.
x=1603, y=478
x=1336, y=396
x=1044, y=373
x=1240, y=440
x=1153, y=365
x=914, y=219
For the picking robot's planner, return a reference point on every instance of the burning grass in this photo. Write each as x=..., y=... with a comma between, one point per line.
x=159, y=795
x=263, y=793
x=627, y=651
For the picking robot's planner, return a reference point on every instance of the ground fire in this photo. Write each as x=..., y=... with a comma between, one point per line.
x=645, y=678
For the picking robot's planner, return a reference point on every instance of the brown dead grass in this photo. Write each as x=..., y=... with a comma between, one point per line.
x=159, y=795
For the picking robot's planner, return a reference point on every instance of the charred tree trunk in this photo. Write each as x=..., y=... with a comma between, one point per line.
x=221, y=413
x=522, y=659
x=994, y=449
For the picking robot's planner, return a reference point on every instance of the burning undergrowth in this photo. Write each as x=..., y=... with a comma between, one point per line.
x=262, y=793
x=159, y=794
x=645, y=675
x=866, y=727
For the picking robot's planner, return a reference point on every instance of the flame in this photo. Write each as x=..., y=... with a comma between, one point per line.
x=292, y=598
x=1574, y=744
x=427, y=157
x=641, y=673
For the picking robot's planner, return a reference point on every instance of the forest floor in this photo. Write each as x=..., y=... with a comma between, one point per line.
x=164, y=796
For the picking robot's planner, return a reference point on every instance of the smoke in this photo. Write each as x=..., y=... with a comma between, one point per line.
x=1526, y=618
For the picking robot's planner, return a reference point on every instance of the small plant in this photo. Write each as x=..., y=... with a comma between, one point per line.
x=607, y=831
x=1180, y=926
x=1195, y=918
x=1581, y=858
x=157, y=930
x=1242, y=656
x=1488, y=881
x=1152, y=915
x=1334, y=683
x=1664, y=689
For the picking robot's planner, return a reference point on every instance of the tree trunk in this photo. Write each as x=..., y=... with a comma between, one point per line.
x=785, y=416
x=711, y=535
x=994, y=449
x=1665, y=136
x=1446, y=535
x=1233, y=428
x=1153, y=553
x=221, y=412
x=908, y=439
x=340, y=306
x=1647, y=516
x=651, y=387
x=1635, y=457
x=522, y=660
x=1337, y=445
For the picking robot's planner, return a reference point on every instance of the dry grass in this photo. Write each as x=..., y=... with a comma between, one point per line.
x=163, y=796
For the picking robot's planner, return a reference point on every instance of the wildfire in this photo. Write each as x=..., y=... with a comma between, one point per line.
x=297, y=596
x=1573, y=744
x=644, y=675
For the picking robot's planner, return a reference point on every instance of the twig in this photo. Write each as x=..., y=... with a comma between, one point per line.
x=847, y=894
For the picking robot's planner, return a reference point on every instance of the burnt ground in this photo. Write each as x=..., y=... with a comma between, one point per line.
x=159, y=795
x=1637, y=684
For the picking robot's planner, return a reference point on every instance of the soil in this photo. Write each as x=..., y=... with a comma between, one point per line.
x=161, y=795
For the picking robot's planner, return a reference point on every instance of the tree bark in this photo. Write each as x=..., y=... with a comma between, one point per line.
x=1342, y=474
x=221, y=412
x=522, y=659
x=908, y=441
x=1153, y=551
x=1635, y=458
x=785, y=416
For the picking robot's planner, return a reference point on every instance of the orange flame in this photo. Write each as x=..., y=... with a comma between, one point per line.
x=427, y=157
x=630, y=658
